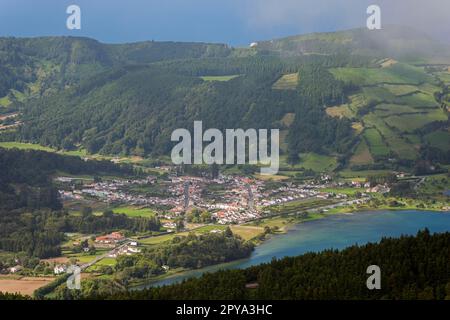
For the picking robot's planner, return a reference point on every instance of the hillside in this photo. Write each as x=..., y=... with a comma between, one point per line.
x=357, y=97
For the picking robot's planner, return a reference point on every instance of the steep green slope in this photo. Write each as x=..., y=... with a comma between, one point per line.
x=127, y=99
x=47, y=64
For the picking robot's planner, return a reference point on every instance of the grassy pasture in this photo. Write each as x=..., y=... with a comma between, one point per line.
x=219, y=78
x=376, y=144
x=411, y=122
x=397, y=74
x=439, y=139
x=246, y=232
x=400, y=89
x=342, y=111
x=25, y=146
x=398, y=145
x=382, y=95
x=312, y=161
x=429, y=88
x=286, y=82
x=358, y=127
x=362, y=154
x=378, y=94
x=444, y=76
x=132, y=211
x=4, y=101
x=420, y=100
x=385, y=110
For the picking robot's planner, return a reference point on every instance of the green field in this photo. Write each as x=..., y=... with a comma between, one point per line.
x=247, y=232
x=376, y=144
x=219, y=78
x=444, y=76
x=379, y=94
x=396, y=143
x=385, y=110
x=362, y=154
x=160, y=239
x=397, y=74
x=420, y=100
x=411, y=122
x=134, y=211
x=400, y=89
x=286, y=82
x=347, y=191
x=299, y=206
x=4, y=101
x=311, y=161
x=439, y=139
x=361, y=175
x=25, y=146
x=209, y=228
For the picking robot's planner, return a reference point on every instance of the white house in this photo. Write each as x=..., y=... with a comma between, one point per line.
x=15, y=269
x=58, y=269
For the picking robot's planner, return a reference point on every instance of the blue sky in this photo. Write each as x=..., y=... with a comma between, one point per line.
x=236, y=22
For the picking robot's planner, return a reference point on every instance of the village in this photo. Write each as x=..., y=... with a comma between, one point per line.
x=230, y=199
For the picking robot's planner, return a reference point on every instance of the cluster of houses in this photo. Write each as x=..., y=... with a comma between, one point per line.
x=235, y=216
x=112, y=238
x=127, y=249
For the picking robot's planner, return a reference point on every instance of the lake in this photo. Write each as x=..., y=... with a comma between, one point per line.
x=335, y=231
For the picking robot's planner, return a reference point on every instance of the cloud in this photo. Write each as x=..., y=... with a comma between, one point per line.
x=430, y=16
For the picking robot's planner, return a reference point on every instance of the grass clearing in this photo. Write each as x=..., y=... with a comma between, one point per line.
x=396, y=143
x=361, y=175
x=287, y=82
x=399, y=73
x=376, y=143
x=385, y=110
x=400, y=89
x=288, y=119
x=219, y=78
x=25, y=146
x=246, y=232
x=342, y=111
x=160, y=239
x=312, y=161
x=419, y=100
x=411, y=122
x=358, y=127
x=132, y=211
x=439, y=139
x=362, y=154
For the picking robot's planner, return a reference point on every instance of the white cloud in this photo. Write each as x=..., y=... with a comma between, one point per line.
x=430, y=16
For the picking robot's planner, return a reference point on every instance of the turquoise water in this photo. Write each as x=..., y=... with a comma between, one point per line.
x=337, y=231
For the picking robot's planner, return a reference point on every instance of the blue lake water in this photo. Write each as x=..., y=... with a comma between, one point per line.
x=337, y=231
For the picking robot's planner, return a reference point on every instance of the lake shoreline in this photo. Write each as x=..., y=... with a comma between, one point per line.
x=288, y=228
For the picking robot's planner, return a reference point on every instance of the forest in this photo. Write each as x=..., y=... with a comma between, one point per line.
x=26, y=176
x=31, y=215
